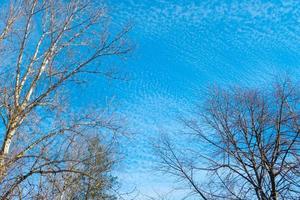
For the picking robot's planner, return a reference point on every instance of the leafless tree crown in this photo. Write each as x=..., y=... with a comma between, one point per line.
x=245, y=145
x=45, y=47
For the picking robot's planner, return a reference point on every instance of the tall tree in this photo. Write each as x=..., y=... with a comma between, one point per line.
x=46, y=47
x=245, y=145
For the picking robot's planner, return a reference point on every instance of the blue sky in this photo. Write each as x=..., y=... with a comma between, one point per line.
x=182, y=47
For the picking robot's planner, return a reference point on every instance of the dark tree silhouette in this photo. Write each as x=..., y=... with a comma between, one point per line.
x=246, y=140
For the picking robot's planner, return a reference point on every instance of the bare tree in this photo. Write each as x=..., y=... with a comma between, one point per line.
x=244, y=144
x=46, y=47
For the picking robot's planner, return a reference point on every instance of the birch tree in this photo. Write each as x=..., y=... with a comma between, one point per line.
x=47, y=47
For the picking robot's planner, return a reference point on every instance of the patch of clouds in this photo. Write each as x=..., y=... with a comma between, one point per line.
x=217, y=42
